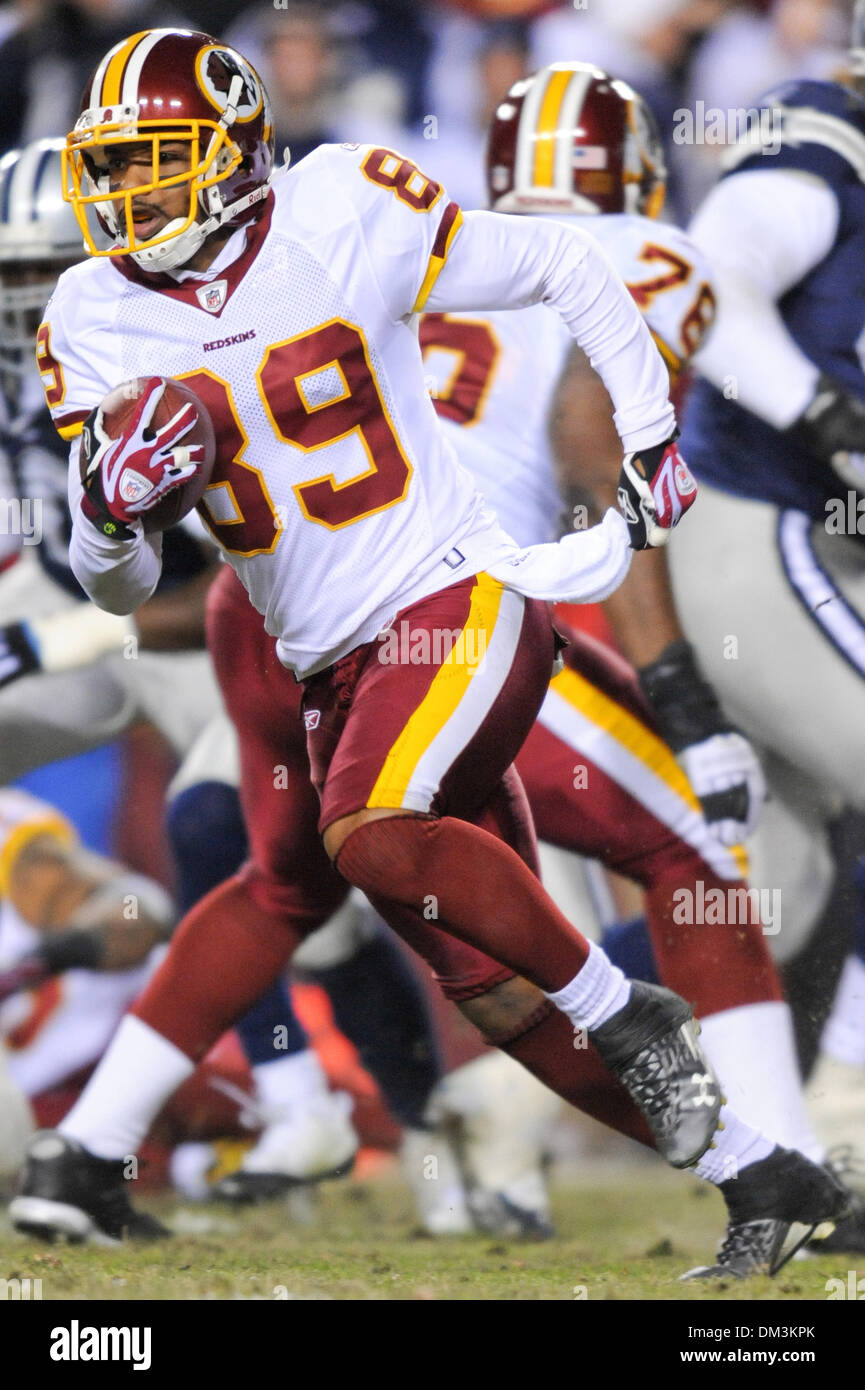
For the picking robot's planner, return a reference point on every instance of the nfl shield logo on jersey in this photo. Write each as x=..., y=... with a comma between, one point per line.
x=212, y=297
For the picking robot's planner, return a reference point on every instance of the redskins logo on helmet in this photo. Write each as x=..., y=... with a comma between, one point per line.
x=572, y=139
x=171, y=85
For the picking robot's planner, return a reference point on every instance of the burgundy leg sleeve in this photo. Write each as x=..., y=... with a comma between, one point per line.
x=478, y=888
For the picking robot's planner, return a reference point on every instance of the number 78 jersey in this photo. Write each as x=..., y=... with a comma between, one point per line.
x=493, y=376
x=334, y=491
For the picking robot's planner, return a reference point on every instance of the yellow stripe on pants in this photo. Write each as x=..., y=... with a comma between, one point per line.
x=633, y=735
x=442, y=700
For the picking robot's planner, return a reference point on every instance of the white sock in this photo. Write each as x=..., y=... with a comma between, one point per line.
x=753, y=1051
x=290, y=1081
x=844, y=1034
x=137, y=1074
x=736, y=1146
x=595, y=994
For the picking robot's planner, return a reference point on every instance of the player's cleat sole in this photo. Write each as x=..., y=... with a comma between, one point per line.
x=651, y=1046
x=775, y=1207
x=70, y=1194
x=248, y=1189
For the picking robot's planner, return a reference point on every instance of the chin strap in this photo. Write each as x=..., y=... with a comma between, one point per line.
x=168, y=255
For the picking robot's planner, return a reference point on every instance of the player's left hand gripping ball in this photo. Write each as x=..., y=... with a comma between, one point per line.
x=656, y=488
x=147, y=453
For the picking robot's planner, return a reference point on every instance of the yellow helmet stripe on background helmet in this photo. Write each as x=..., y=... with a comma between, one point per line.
x=547, y=128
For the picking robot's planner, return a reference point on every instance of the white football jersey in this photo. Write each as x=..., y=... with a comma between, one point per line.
x=494, y=375
x=66, y=1024
x=335, y=495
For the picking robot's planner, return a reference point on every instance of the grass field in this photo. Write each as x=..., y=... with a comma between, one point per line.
x=621, y=1236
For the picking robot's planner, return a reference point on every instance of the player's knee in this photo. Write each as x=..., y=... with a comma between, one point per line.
x=336, y=834
x=369, y=854
x=507, y=1010
x=301, y=905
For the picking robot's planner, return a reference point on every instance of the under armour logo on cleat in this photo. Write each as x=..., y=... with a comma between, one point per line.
x=704, y=1082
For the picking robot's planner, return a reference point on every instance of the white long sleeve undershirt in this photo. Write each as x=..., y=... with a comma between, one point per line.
x=762, y=231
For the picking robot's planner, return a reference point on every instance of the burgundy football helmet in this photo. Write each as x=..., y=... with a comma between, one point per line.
x=572, y=139
x=171, y=84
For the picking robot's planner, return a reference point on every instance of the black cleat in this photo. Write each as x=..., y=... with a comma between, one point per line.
x=651, y=1046
x=70, y=1194
x=774, y=1207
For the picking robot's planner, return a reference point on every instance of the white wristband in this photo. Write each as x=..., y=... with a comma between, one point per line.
x=80, y=635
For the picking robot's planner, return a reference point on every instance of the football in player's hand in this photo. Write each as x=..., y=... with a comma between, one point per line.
x=166, y=454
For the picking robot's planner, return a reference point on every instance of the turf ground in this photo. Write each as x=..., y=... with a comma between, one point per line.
x=621, y=1235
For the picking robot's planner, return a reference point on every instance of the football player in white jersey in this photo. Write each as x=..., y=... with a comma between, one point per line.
x=73, y=677
x=76, y=933
x=316, y=285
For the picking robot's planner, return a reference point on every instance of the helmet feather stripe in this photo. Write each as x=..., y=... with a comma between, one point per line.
x=525, y=144
x=115, y=70
x=547, y=128
x=129, y=91
x=569, y=118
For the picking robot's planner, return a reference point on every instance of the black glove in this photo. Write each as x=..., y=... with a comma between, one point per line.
x=720, y=763
x=832, y=428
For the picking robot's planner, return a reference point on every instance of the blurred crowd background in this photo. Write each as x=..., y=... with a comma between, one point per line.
x=425, y=75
